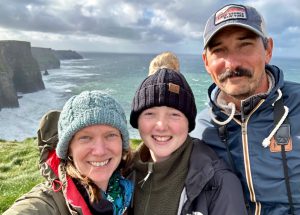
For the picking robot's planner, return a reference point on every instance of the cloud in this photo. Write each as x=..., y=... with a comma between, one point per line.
x=138, y=25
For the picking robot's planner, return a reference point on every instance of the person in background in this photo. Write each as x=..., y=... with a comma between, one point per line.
x=253, y=118
x=164, y=60
x=175, y=173
x=83, y=172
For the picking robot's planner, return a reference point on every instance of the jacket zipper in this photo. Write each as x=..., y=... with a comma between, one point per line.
x=246, y=156
x=149, y=196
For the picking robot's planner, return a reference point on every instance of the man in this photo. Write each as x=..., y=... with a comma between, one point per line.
x=260, y=139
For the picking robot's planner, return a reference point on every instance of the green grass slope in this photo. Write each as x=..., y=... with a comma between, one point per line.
x=18, y=170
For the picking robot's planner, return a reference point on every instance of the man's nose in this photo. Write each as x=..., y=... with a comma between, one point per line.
x=232, y=61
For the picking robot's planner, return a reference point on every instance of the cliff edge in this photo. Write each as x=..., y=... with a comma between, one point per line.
x=19, y=72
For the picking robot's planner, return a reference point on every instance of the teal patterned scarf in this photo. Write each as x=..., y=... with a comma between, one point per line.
x=119, y=192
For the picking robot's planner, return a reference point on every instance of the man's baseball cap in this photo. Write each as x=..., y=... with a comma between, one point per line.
x=234, y=15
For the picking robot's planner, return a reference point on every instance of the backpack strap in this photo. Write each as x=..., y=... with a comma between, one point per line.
x=224, y=137
x=282, y=137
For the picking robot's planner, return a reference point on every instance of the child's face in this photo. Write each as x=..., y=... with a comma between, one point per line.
x=163, y=130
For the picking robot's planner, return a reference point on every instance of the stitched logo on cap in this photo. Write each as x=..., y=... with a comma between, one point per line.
x=230, y=12
x=174, y=88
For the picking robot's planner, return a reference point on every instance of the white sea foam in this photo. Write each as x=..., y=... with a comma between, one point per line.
x=20, y=123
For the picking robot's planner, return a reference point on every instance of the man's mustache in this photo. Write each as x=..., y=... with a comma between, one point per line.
x=238, y=72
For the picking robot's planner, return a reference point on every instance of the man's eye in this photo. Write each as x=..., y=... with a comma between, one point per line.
x=217, y=50
x=246, y=44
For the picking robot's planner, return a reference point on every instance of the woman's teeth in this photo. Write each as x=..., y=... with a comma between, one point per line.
x=97, y=164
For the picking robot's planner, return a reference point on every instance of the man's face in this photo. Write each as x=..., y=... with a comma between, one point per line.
x=235, y=58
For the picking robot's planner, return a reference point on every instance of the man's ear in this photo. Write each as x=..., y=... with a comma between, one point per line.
x=204, y=58
x=269, y=51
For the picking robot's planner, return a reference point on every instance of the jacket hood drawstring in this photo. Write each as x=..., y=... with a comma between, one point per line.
x=150, y=170
x=213, y=117
x=267, y=140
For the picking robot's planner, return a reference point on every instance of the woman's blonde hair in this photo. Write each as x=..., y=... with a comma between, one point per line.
x=164, y=60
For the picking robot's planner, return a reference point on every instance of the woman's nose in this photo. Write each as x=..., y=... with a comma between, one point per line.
x=99, y=147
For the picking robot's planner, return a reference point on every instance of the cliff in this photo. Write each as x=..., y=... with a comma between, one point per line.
x=67, y=54
x=45, y=58
x=20, y=72
x=8, y=94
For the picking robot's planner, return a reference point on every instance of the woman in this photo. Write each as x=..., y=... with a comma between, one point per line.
x=83, y=171
x=175, y=173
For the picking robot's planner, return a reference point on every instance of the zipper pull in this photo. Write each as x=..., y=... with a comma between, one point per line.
x=150, y=170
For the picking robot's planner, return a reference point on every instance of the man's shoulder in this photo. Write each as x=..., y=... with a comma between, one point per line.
x=203, y=114
x=203, y=122
x=291, y=94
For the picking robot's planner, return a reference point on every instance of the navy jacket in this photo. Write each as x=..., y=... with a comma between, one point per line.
x=260, y=169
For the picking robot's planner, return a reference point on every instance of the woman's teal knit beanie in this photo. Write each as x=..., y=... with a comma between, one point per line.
x=89, y=108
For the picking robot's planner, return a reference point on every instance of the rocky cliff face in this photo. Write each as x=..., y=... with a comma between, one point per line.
x=8, y=94
x=45, y=58
x=19, y=72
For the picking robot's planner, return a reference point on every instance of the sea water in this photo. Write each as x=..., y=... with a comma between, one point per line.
x=116, y=74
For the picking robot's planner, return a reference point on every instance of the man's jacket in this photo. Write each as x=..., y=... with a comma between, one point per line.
x=259, y=168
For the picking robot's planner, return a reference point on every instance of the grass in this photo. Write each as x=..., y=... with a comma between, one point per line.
x=19, y=169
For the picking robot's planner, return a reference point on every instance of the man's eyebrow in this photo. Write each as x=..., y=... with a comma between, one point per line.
x=248, y=35
x=213, y=44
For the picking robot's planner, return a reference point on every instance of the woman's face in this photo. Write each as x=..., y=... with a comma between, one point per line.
x=97, y=152
x=163, y=130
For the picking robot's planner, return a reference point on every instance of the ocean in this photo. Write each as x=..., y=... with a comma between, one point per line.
x=116, y=74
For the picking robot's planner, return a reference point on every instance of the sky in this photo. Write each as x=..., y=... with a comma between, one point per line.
x=136, y=26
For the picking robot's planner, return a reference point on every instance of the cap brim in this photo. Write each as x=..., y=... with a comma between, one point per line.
x=233, y=24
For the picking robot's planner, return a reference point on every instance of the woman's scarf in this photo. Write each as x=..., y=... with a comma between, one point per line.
x=119, y=192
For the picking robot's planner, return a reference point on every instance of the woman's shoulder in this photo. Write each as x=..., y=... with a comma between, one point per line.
x=41, y=199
